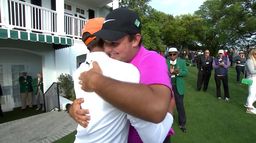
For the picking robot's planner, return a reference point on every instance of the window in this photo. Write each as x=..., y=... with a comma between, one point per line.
x=67, y=7
x=91, y=13
x=80, y=11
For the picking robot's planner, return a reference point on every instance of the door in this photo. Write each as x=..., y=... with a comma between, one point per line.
x=15, y=71
x=7, y=101
x=91, y=13
x=9, y=79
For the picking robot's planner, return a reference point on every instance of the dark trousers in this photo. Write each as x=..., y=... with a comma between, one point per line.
x=180, y=107
x=239, y=70
x=224, y=80
x=203, y=78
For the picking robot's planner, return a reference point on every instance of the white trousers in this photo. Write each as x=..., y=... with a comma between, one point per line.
x=252, y=93
x=26, y=99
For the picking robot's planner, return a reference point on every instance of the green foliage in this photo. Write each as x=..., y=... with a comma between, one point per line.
x=230, y=22
x=67, y=86
x=217, y=24
x=151, y=23
x=152, y=30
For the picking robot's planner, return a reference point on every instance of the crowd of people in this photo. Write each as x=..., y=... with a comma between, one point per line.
x=245, y=67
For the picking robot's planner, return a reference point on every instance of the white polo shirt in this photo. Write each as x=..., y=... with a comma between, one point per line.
x=107, y=124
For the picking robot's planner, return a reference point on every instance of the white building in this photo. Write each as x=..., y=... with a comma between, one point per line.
x=42, y=36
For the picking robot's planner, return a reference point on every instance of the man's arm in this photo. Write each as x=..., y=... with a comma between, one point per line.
x=148, y=102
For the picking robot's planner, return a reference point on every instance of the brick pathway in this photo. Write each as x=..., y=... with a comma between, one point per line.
x=42, y=128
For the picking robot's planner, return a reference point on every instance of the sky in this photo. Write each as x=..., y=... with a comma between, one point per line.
x=176, y=7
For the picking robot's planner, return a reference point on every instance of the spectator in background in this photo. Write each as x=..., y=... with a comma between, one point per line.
x=226, y=53
x=199, y=53
x=178, y=70
x=204, y=70
x=1, y=94
x=251, y=74
x=39, y=92
x=231, y=56
x=26, y=90
x=221, y=64
x=240, y=61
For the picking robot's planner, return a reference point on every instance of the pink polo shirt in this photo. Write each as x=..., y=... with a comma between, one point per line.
x=152, y=66
x=153, y=70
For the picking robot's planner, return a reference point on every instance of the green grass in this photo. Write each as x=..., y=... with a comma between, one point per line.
x=17, y=113
x=67, y=139
x=210, y=120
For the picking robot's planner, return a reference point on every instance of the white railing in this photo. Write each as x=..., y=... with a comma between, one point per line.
x=30, y=17
x=25, y=16
x=1, y=12
x=73, y=26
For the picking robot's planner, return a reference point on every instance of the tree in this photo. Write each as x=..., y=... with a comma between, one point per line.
x=229, y=22
x=184, y=32
x=150, y=18
x=67, y=85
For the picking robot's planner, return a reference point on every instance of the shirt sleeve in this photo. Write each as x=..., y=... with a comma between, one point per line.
x=153, y=70
x=250, y=67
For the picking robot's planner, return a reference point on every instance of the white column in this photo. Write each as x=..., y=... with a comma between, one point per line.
x=28, y=17
x=4, y=12
x=115, y=4
x=49, y=69
x=60, y=16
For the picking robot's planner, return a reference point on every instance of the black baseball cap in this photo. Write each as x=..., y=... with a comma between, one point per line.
x=118, y=23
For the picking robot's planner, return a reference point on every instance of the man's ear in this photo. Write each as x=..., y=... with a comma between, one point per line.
x=136, y=40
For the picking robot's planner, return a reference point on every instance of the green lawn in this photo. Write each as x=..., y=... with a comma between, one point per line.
x=215, y=121
x=17, y=113
x=210, y=120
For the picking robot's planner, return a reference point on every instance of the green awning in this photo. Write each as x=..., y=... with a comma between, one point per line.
x=35, y=37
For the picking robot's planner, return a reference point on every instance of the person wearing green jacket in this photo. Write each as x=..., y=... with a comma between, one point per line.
x=26, y=90
x=178, y=70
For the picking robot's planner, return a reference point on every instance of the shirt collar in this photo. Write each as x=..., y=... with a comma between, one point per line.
x=173, y=62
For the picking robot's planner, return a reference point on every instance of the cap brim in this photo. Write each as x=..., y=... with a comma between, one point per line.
x=109, y=35
x=173, y=51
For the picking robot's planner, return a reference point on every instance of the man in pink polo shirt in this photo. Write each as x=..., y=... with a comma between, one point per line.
x=148, y=100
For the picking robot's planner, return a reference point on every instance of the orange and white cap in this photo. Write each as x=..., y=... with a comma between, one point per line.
x=90, y=27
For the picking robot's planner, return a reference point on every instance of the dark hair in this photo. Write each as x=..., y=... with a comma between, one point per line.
x=95, y=43
x=132, y=37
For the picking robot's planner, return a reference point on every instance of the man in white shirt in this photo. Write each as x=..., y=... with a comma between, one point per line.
x=107, y=124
